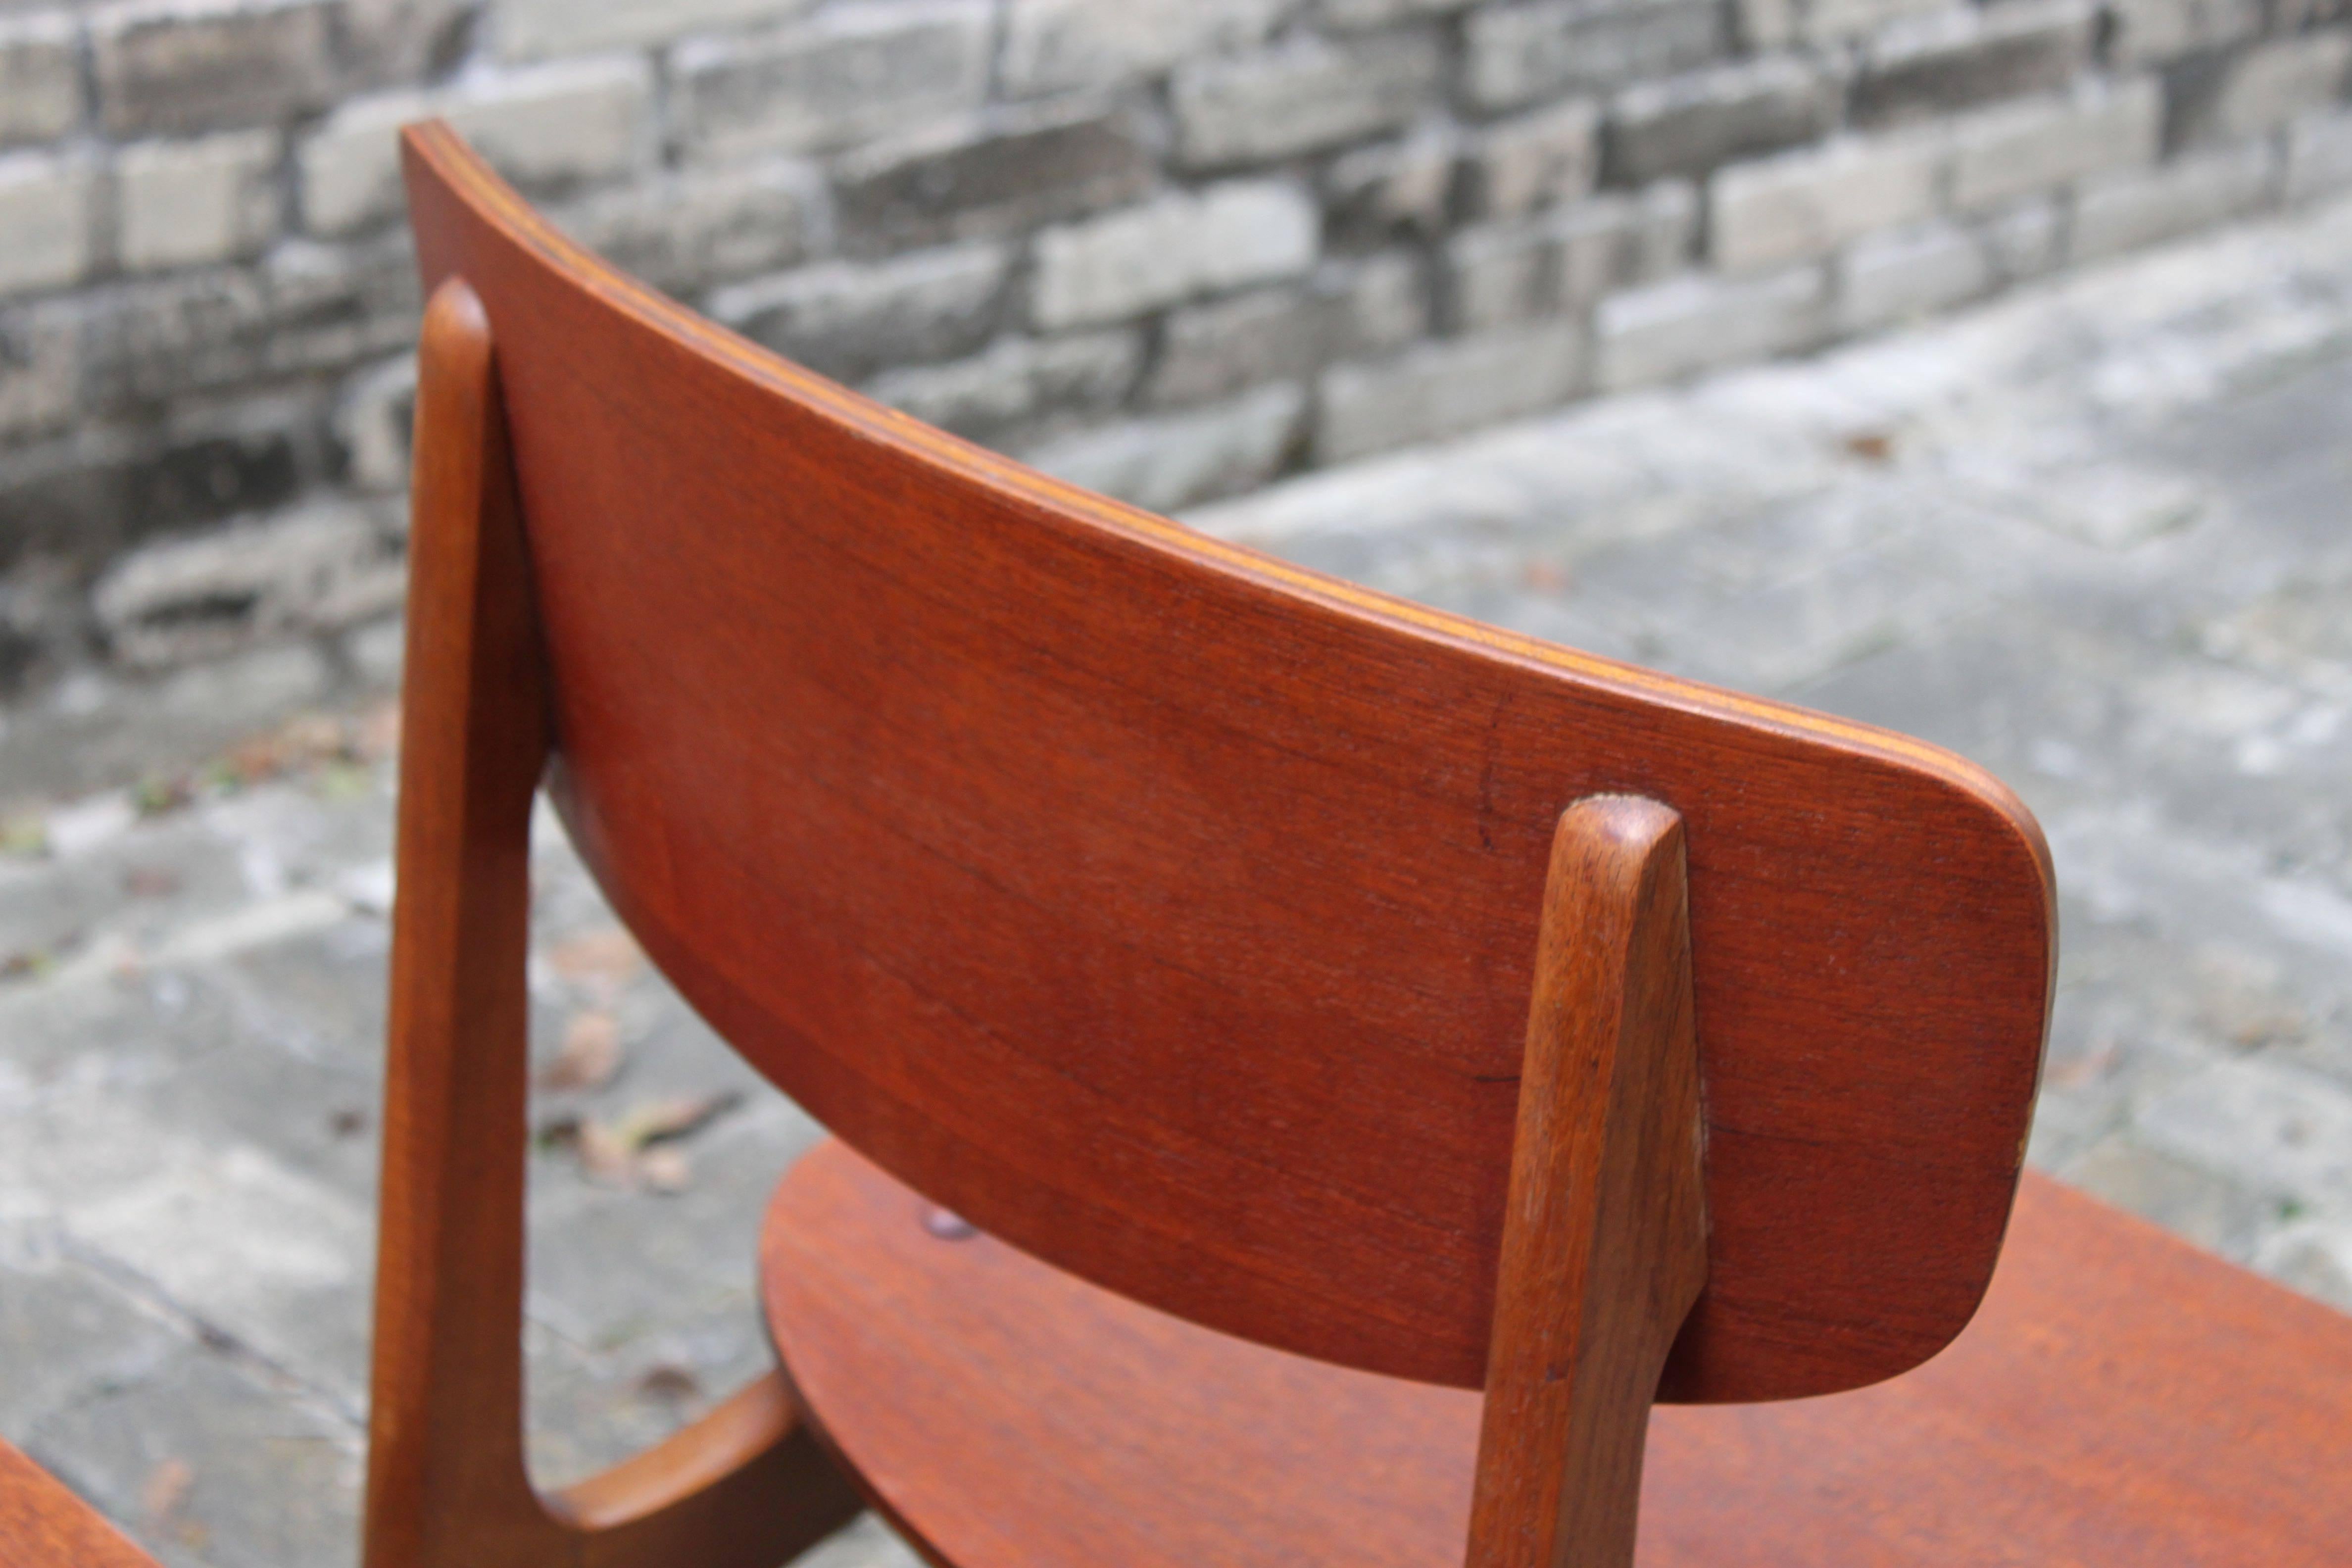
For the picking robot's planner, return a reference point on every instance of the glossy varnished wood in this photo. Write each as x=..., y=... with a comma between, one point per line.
x=1172, y=912
x=1604, y=1238
x=446, y=1484
x=43, y=1525
x=2120, y=1402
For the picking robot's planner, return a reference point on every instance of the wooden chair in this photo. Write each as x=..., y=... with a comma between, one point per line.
x=1354, y=1061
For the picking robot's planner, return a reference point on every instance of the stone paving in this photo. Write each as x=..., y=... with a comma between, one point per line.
x=2095, y=537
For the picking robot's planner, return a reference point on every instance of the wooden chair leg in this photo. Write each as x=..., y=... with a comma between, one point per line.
x=745, y=1487
x=1604, y=1241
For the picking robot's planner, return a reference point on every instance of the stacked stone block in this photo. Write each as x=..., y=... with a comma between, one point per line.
x=1169, y=248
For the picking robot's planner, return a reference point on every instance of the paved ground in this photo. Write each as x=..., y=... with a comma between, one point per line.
x=2095, y=537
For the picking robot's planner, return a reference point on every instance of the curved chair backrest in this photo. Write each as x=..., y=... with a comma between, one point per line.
x=1169, y=912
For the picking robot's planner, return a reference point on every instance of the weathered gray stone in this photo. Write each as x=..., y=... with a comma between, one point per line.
x=1831, y=22
x=2208, y=1209
x=1762, y=26
x=1946, y=60
x=375, y=651
x=2123, y=211
x=685, y=230
x=1351, y=15
x=1695, y=322
x=392, y=43
x=2148, y=32
x=1011, y=171
x=178, y=66
x=1622, y=239
x=1346, y=309
x=1177, y=459
x=1184, y=244
x=40, y=369
x=1688, y=124
x=1018, y=382
x=2019, y=149
x=251, y=455
x=1405, y=187
x=1806, y=204
x=178, y=204
x=529, y=29
x=1517, y=54
x=2281, y=1130
x=154, y=341
x=549, y=127
x=2318, y=155
x=1442, y=388
x=373, y=418
x=327, y=566
x=333, y=305
x=1056, y=44
x=81, y=498
x=271, y=1479
x=843, y=76
x=1516, y=166
x=286, y=1277
x=46, y=204
x=1502, y=273
x=2025, y=240
x=849, y=319
x=1374, y=303
x=40, y=78
x=1301, y=96
x=2278, y=81
x=1496, y=274
x=71, y=1333
x=1909, y=273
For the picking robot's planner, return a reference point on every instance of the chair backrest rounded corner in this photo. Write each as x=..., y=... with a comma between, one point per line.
x=1168, y=911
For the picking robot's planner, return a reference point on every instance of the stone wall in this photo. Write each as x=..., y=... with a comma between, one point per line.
x=1167, y=247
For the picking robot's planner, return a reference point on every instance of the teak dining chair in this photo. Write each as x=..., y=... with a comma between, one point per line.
x=1354, y=1061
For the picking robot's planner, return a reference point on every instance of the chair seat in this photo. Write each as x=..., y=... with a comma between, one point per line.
x=2120, y=1399
x=43, y=1525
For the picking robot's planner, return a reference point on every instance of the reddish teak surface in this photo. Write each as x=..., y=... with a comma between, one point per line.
x=1171, y=911
x=43, y=1525
x=1604, y=1240
x=2122, y=1401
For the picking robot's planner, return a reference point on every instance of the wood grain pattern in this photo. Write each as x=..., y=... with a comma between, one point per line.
x=446, y=1484
x=43, y=1525
x=1171, y=911
x=2121, y=1401
x=1604, y=1241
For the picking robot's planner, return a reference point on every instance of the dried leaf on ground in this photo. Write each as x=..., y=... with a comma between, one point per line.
x=626, y=1153
x=590, y=1055
x=601, y=960
x=165, y=1489
x=605, y=1156
x=376, y=735
x=654, y=1121
x=666, y=1169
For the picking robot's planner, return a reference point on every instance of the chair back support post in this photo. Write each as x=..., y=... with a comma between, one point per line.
x=445, y=1471
x=1604, y=1238
x=745, y=1487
